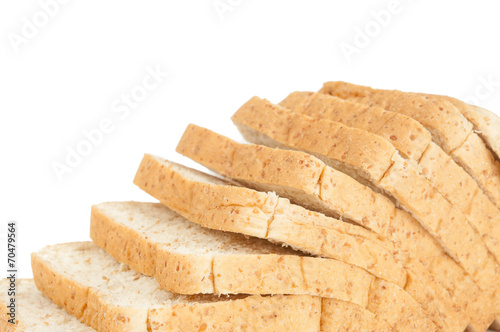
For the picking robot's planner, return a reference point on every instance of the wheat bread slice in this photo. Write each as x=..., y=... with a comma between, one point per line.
x=109, y=296
x=213, y=203
x=306, y=180
x=449, y=128
x=34, y=311
x=374, y=161
x=189, y=259
x=414, y=142
x=486, y=123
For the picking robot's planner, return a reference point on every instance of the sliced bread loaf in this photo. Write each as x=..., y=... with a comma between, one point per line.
x=211, y=203
x=108, y=296
x=306, y=180
x=449, y=128
x=34, y=311
x=373, y=160
x=414, y=142
x=214, y=203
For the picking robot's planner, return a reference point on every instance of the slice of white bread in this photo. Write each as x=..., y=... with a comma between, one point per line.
x=212, y=203
x=109, y=296
x=34, y=311
x=486, y=123
x=373, y=160
x=189, y=259
x=414, y=142
x=306, y=180
x=449, y=128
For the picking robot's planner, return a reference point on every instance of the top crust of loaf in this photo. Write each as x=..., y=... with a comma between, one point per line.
x=406, y=134
x=368, y=153
x=447, y=125
x=486, y=123
x=449, y=128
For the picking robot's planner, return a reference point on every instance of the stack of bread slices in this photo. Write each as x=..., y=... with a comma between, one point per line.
x=354, y=209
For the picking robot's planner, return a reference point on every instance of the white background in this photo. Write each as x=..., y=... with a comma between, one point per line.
x=66, y=77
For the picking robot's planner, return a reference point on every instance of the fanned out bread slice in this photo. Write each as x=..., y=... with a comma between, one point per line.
x=373, y=160
x=449, y=128
x=486, y=123
x=306, y=180
x=34, y=311
x=108, y=296
x=213, y=203
x=414, y=142
x=189, y=259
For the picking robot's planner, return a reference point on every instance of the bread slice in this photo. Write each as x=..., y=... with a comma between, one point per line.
x=414, y=142
x=306, y=180
x=109, y=296
x=374, y=161
x=486, y=123
x=212, y=203
x=34, y=311
x=449, y=128
x=189, y=259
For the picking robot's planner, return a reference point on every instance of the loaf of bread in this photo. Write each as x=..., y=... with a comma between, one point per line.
x=355, y=209
x=306, y=180
x=212, y=203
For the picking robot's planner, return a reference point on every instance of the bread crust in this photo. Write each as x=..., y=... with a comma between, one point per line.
x=447, y=125
x=407, y=135
x=486, y=123
x=413, y=192
x=449, y=128
x=276, y=313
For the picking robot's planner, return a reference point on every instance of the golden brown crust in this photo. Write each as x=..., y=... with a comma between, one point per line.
x=447, y=125
x=486, y=123
x=407, y=135
x=478, y=161
x=367, y=153
x=449, y=128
